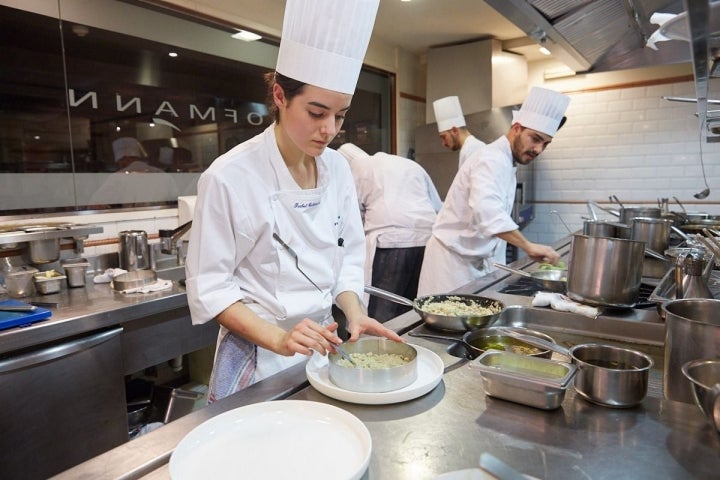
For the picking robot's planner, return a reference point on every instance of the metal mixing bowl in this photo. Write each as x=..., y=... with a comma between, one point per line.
x=704, y=376
x=367, y=380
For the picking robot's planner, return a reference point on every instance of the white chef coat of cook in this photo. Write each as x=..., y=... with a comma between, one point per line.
x=233, y=257
x=478, y=207
x=398, y=201
x=470, y=146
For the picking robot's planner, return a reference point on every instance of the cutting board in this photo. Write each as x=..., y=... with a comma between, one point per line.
x=16, y=319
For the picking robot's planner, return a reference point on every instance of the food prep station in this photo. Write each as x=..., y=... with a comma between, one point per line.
x=449, y=427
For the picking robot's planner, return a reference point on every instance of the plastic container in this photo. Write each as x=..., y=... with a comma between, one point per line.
x=19, y=281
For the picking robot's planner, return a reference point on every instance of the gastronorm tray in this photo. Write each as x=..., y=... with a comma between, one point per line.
x=533, y=381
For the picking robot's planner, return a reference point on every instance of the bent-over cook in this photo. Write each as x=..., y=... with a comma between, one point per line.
x=457, y=306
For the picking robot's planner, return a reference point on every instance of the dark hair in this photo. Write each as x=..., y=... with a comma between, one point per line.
x=290, y=86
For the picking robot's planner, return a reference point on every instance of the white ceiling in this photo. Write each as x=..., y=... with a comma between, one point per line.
x=415, y=26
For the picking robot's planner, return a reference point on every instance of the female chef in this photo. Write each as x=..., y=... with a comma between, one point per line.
x=277, y=235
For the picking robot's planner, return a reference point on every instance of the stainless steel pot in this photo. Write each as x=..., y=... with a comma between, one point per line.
x=368, y=380
x=606, y=375
x=605, y=271
x=603, y=228
x=655, y=232
x=627, y=214
x=453, y=323
x=692, y=331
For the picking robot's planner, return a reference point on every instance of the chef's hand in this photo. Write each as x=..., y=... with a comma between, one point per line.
x=358, y=321
x=542, y=253
x=308, y=336
x=362, y=323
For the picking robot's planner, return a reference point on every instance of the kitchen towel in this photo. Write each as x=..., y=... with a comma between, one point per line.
x=561, y=303
x=158, y=286
x=108, y=275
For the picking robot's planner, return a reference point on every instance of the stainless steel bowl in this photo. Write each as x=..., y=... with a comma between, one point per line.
x=367, y=380
x=611, y=376
x=704, y=376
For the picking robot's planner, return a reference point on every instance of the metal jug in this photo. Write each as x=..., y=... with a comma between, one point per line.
x=691, y=276
x=134, y=253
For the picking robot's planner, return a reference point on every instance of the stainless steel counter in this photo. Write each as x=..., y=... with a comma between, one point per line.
x=448, y=428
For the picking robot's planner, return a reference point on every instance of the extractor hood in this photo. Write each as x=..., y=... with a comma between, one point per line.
x=596, y=35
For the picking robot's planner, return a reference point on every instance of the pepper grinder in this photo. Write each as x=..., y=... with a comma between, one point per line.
x=689, y=277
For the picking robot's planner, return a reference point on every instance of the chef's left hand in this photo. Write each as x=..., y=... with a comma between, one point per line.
x=362, y=323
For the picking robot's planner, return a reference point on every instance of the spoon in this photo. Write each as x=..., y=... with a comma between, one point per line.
x=345, y=355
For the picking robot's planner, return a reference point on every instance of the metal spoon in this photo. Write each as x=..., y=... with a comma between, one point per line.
x=345, y=355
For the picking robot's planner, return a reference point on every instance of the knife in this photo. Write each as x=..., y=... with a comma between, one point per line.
x=18, y=308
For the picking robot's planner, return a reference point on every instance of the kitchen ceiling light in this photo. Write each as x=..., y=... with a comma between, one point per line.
x=544, y=51
x=246, y=36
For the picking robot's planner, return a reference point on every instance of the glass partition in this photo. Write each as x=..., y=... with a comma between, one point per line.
x=107, y=105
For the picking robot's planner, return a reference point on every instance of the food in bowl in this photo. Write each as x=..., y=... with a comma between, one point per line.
x=374, y=361
x=458, y=307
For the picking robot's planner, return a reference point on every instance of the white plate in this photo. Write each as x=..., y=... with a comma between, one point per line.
x=430, y=372
x=294, y=439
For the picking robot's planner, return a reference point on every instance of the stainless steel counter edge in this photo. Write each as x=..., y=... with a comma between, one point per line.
x=82, y=310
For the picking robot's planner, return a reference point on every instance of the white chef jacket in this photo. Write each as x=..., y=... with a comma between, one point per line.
x=245, y=197
x=477, y=207
x=470, y=146
x=398, y=203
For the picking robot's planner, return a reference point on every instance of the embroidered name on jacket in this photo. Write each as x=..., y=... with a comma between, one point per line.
x=305, y=204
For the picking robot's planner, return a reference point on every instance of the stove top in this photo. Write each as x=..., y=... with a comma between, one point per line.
x=526, y=287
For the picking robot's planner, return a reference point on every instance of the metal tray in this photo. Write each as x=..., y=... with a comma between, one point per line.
x=665, y=290
x=532, y=381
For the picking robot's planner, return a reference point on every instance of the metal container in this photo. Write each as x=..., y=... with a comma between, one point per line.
x=627, y=214
x=532, y=381
x=44, y=251
x=603, y=228
x=19, y=281
x=605, y=271
x=367, y=380
x=611, y=376
x=138, y=278
x=704, y=377
x=655, y=232
x=48, y=282
x=692, y=331
x=134, y=254
x=75, y=270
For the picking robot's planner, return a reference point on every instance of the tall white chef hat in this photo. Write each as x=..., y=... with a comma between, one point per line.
x=127, y=147
x=448, y=113
x=542, y=110
x=323, y=42
x=352, y=153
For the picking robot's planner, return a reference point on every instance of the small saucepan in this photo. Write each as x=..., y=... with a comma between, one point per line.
x=476, y=342
x=548, y=280
x=606, y=375
x=429, y=306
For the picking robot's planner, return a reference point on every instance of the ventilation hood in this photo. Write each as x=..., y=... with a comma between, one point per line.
x=609, y=35
x=596, y=35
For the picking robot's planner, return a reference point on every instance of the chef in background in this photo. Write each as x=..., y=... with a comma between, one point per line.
x=398, y=204
x=474, y=225
x=277, y=236
x=453, y=130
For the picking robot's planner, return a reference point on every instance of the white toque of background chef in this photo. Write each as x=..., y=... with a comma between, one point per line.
x=474, y=225
x=453, y=130
x=277, y=236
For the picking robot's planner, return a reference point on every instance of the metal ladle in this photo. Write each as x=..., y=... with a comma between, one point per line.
x=703, y=193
